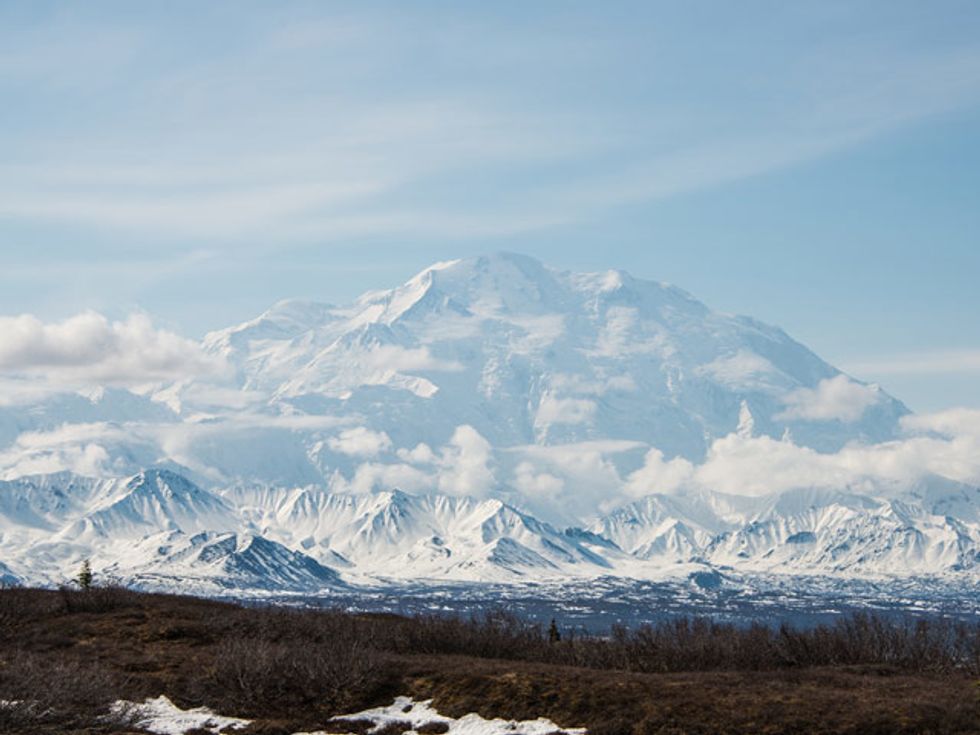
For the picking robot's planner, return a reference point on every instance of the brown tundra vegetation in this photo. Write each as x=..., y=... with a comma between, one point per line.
x=66, y=655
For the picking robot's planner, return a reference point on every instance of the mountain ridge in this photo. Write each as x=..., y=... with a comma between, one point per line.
x=310, y=540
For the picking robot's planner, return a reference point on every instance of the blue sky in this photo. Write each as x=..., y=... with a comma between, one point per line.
x=816, y=165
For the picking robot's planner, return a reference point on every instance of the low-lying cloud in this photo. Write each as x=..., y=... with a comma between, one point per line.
x=360, y=442
x=564, y=483
x=838, y=398
x=88, y=348
x=946, y=444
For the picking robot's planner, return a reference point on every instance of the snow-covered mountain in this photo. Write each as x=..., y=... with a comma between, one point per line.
x=158, y=526
x=529, y=355
x=157, y=529
x=215, y=562
x=807, y=530
x=400, y=536
x=490, y=419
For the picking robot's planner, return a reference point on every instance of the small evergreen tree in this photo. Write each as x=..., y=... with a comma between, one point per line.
x=85, y=576
x=553, y=635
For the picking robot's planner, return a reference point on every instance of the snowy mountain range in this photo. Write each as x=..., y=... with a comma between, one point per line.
x=492, y=419
x=160, y=530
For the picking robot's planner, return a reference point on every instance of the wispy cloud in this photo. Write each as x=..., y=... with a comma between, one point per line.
x=937, y=362
x=354, y=178
x=284, y=137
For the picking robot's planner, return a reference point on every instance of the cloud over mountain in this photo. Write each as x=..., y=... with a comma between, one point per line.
x=838, y=398
x=90, y=349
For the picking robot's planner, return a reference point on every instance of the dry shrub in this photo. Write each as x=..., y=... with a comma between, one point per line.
x=255, y=676
x=432, y=728
x=19, y=605
x=99, y=599
x=346, y=725
x=700, y=644
x=195, y=633
x=45, y=692
x=614, y=726
x=495, y=634
x=395, y=727
x=272, y=727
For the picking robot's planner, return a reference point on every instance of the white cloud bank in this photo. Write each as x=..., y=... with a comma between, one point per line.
x=90, y=349
x=569, y=483
x=360, y=442
x=565, y=483
x=467, y=464
x=463, y=466
x=945, y=444
x=838, y=398
x=664, y=475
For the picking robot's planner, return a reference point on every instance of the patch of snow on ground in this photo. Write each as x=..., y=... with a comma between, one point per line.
x=162, y=716
x=404, y=709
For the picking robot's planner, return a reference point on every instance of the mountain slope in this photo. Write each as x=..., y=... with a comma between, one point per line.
x=527, y=354
x=221, y=561
x=150, y=501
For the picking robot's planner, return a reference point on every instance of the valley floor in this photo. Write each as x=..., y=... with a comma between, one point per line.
x=66, y=657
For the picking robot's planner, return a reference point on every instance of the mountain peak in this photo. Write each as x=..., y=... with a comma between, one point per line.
x=481, y=285
x=161, y=480
x=296, y=312
x=500, y=261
